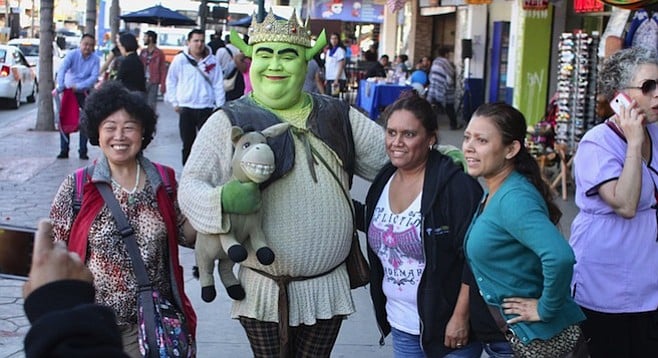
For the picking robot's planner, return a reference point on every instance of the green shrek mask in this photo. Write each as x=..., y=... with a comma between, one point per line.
x=279, y=51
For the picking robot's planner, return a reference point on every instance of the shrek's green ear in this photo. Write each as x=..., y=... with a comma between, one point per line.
x=320, y=43
x=240, y=44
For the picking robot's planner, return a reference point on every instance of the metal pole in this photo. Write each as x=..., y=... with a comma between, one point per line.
x=261, y=10
x=7, y=26
x=33, y=18
x=203, y=13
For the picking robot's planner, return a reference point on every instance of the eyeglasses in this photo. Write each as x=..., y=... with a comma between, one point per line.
x=647, y=87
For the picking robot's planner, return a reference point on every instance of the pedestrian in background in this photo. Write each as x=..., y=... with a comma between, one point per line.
x=441, y=91
x=521, y=262
x=229, y=59
x=615, y=233
x=194, y=87
x=417, y=211
x=334, y=67
x=155, y=68
x=111, y=64
x=313, y=81
x=78, y=72
x=122, y=125
x=131, y=69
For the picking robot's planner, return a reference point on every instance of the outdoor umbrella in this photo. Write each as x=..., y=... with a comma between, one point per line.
x=246, y=21
x=158, y=15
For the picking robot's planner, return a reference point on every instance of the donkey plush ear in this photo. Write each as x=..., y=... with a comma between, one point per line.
x=275, y=130
x=236, y=134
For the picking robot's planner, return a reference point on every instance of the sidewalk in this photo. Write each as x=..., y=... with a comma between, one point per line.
x=29, y=178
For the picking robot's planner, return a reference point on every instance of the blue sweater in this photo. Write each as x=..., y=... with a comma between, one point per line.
x=515, y=251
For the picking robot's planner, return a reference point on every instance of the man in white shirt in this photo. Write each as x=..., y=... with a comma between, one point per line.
x=195, y=87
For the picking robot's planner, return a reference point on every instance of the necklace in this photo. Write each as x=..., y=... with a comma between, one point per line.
x=134, y=189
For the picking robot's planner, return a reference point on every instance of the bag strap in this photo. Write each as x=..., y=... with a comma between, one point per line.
x=144, y=287
x=335, y=176
x=501, y=323
x=80, y=178
x=196, y=65
x=166, y=181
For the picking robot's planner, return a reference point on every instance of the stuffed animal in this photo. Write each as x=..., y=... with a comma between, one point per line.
x=253, y=161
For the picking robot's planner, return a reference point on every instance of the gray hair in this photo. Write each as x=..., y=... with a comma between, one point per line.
x=618, y=70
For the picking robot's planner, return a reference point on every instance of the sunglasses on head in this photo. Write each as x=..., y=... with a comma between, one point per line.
x=647, y=87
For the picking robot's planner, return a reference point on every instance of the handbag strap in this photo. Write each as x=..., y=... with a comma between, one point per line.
x=501, y=323
x=144, y=287
x=196, y=65
x=335, y=176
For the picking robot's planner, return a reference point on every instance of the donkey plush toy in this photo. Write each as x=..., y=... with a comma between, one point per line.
x=253, y=160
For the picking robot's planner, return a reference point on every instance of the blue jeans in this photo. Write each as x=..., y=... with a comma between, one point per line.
x=64, y=143
x=498, y=350
x=407, y=345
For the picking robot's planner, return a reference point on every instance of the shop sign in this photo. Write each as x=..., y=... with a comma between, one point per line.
x=582, y=6
x=348, y=10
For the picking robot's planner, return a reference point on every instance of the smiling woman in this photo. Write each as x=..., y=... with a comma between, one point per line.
x=414, y=246
x=123, y=124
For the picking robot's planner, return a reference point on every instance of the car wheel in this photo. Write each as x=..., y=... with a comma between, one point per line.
x=33, y=97
x=16, y=102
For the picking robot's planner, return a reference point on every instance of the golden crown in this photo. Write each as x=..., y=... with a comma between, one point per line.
x=273, y=30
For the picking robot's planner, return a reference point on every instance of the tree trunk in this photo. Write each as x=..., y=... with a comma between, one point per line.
x=114, y=18
x=90, y=22
x=45, y=115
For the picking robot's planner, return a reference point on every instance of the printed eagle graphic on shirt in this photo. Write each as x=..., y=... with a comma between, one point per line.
x=396, y=245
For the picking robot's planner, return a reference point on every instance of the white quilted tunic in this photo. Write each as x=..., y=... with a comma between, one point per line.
x=308, y=225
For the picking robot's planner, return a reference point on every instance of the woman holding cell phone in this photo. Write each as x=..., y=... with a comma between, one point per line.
x=614, y=236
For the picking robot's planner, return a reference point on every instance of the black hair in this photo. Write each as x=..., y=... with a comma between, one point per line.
x=111, y=97
x=195, y=31
x=418, y=106
x=512, y=126
x=129, y=42
x=153, y=35
x=87, y=35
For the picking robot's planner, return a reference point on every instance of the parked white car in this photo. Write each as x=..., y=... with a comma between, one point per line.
x=18, y=82
x=30, y=49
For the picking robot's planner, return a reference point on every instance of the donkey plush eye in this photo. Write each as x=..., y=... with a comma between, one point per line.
x=246, y=145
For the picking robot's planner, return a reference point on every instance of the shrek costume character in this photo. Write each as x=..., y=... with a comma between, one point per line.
x=306, y=218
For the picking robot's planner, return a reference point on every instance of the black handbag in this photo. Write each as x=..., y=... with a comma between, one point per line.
x=162, y=327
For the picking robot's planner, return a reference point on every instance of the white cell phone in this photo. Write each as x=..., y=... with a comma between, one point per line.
x=620, y=99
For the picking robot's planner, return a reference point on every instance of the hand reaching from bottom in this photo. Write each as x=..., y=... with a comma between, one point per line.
x=52, y=261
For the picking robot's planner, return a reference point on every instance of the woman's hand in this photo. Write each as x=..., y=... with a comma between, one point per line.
x=456, y=332
x=631, y=120
x=525, y=308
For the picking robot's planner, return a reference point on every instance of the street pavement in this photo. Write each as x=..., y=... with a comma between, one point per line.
x=30, y=176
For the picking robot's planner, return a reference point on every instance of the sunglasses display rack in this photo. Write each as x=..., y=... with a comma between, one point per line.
x=576, y=88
